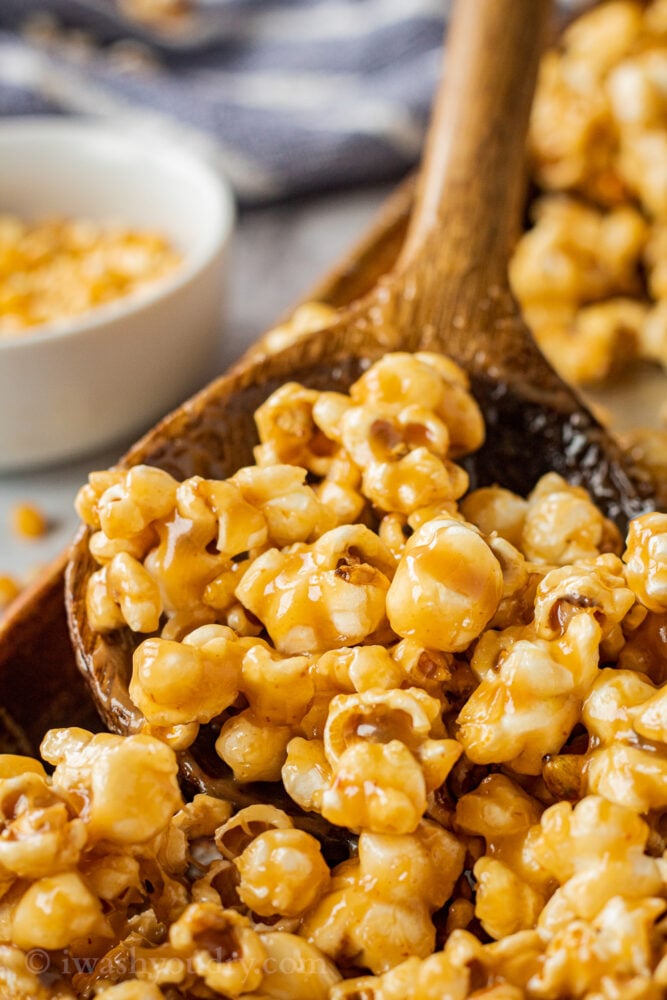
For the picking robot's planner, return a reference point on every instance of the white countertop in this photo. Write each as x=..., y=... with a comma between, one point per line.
x=277, y=255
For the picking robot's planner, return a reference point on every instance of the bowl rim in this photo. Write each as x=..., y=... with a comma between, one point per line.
x=142, y=299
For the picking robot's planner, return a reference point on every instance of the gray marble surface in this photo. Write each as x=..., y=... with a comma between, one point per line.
x=277, y=254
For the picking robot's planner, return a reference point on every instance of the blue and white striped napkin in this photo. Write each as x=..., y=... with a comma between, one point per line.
x=290, y=96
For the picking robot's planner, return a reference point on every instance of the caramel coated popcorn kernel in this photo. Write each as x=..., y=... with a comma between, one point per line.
x=28, y=521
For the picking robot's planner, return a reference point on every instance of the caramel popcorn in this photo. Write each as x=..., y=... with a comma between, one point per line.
x=263, y=863
x=590, y=273
x=402, y=878
x=447, y=586
x=512, y=889
x=337, y=586
x=98, y=769
x=174, y=683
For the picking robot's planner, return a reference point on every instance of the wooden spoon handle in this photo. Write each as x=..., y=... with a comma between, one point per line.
x=473, y=175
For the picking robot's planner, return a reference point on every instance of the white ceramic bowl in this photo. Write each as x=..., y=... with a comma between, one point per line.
x=78, y=385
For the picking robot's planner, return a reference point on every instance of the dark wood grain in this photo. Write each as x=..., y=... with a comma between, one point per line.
x=40, y=687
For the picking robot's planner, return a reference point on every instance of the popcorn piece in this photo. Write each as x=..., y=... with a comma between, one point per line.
x=446, y=588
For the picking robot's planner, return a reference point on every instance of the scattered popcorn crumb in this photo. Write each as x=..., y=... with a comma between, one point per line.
x=10, y=588
x=28, y=521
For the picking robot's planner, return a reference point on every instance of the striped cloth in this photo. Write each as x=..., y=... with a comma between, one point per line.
x=289, y=96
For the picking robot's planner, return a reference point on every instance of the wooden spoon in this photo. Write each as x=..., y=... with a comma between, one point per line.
x=448, y=292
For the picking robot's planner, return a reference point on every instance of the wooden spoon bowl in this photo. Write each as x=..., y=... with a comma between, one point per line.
x=448, y=292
